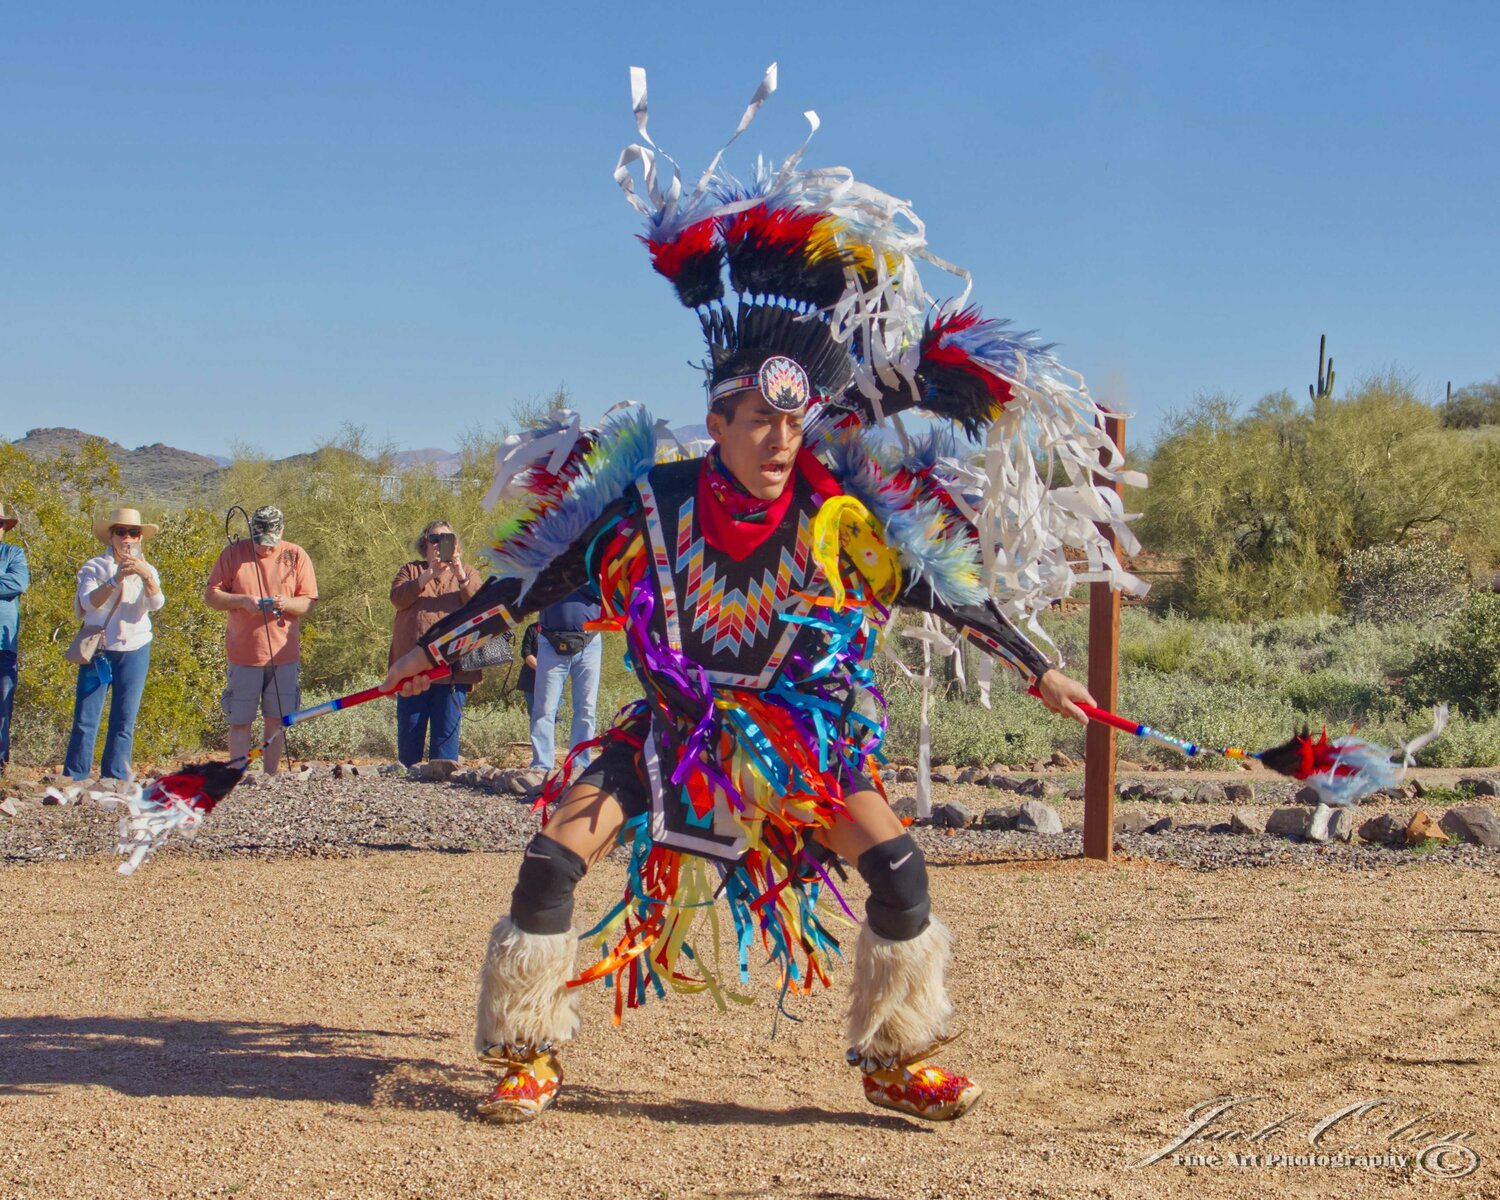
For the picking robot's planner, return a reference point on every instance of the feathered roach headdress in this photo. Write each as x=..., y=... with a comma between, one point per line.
x=824, y=273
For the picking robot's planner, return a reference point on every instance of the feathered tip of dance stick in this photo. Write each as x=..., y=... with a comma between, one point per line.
x=176, y=805
x=1342, y=771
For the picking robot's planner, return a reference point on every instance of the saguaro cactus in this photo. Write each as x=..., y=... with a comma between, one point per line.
x=1324, y=388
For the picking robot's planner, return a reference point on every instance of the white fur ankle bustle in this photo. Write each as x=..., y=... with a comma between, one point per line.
x=524, y=999
x=899, y=1005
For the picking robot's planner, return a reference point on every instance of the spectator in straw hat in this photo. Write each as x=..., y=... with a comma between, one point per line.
x=117, y=591
x=14, y=579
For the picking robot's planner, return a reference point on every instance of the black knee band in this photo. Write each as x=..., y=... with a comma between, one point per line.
x=543, y=899
x=899, y=907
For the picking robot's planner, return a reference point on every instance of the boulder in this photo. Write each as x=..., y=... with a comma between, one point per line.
x=1416, y=788
x=1132, y=791
x=1309, y=796
x=8, y=807
x=1478, y=785
x=441, y=769
x=1074, y=793
x=1006, y=783
x=391, y=768
x=951, y=816
x=1239, y=793
x=1132, y=820
x=1037, y=789
x=1209, y=793
x=1474, y=823
x=968, y=775
x=1000, y=818
x=906, y=806
x=1385, y=830
x=1341, y=825
x=1289, y=822
x=1165, y=825
x=1036, y=817
x=1317, y=825
x=941, y=775
x=1169, y=794
x=1059, y=759
x=906, y=774
x=1422, y=828
x=999, y=768
x=1248, y=820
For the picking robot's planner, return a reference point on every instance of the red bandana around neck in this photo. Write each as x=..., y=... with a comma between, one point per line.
x=735, y=522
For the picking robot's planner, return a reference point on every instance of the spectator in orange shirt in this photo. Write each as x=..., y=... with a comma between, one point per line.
x=266, y=585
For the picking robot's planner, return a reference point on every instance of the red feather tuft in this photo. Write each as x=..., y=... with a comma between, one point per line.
x=941, y=353
x=670, y=258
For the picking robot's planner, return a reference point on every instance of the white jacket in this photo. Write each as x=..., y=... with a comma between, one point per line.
x=129, y=625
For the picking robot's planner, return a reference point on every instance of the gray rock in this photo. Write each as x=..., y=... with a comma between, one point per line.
x=1059, y=759
x=1132, y=820
x=1475, y=823
x=1036, y=817
x=1132, y=791
x=1479, y=785
x=1209, y=793
x=392, y=768
x=1289, y=822
x=968, y=775
x=1006, y=783
x=1308, y=796
x=1317, y=825
x=1000, y=818
x=1169, y=794
x=1074, y=793
x=951, y=816
x=1417, y=789
x=1039, y=789
x=1387, y=830
x=441, y=769
x=1239, y=793
x=906, y=774
x=999, y=768
x=464, y=777
x=906, y=806
x=1341, y=825
x=8, y=807
x=941, y=775
x=1165, y=825
x=1247, y=820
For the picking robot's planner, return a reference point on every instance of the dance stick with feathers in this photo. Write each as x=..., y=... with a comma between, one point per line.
x=177, y=804
x=1342, y=771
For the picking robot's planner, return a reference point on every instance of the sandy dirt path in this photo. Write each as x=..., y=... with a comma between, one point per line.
x=300, y=1027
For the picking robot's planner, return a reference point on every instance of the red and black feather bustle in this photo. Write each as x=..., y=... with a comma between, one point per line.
x=199, y=785
x=785, y=252
x=693, y=261
x=1302, y=756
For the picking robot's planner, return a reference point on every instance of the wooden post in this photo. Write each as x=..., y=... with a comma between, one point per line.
x=1104, y=679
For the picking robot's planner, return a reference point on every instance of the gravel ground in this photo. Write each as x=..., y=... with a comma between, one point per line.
x=335, y=817
x=293, y=1026
x=284, y=1009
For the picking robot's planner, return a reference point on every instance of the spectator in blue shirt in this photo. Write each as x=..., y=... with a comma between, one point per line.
x=15, y=578
x=565, y=651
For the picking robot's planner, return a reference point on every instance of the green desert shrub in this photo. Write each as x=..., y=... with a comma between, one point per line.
x=1461, y=666
x=1403, y=582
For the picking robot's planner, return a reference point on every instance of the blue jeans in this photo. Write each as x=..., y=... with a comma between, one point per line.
x=121, y=673
x=552, y=671
x=438, y=712
x=7, y=698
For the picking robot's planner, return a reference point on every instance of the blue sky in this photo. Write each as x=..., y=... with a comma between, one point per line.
x=234, y=223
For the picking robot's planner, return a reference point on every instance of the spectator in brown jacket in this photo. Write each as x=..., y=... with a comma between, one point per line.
x=423, y=593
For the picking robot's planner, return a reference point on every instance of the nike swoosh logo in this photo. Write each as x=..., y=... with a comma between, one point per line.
x=900, y=862
x=544, y=857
